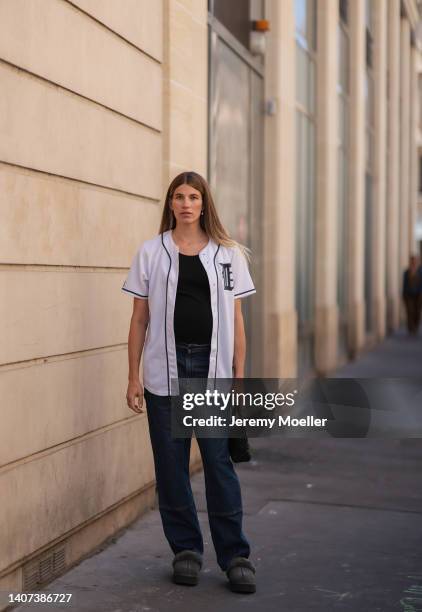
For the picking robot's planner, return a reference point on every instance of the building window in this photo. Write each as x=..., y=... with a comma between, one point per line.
x=343, y=77
x=420, y=98
x=305, y=20
x=235, y=16
x=369, y=135
x=369, y=39
x=420, y=175
x=306, y=40
x=343, y=10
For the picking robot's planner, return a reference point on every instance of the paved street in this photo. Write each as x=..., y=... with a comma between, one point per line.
x=335, y=525
x=397, y=356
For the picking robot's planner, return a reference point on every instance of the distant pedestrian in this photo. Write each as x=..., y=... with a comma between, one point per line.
x=412, y=294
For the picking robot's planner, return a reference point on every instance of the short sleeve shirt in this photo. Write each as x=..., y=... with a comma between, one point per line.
x=153, y=275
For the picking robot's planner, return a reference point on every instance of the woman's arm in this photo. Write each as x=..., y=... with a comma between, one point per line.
x=136, y=339
x=239, y=340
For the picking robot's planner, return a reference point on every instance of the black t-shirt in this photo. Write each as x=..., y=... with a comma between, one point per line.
x=192, y=312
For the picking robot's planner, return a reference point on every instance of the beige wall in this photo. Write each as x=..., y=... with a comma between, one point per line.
x=280, y=319
x=357, y=176
x=185, y=87
x=97, y=110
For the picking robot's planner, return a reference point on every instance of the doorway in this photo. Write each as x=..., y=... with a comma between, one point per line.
x=235, y=162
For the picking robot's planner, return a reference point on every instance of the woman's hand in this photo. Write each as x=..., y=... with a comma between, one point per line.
x=135, y=396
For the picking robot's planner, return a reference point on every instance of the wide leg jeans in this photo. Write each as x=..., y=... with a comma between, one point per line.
x=171, y=459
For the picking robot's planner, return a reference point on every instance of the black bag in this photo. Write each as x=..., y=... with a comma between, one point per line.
x=239, y=449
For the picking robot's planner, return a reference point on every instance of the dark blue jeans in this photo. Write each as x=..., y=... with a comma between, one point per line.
x=171, y=458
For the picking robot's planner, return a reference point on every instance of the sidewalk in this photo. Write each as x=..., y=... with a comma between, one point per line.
x=334, y=524
x=397, y=356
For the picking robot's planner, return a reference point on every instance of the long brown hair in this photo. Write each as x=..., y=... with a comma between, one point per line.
x=209, y=221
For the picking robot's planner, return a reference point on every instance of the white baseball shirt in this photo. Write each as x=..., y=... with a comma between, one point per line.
x=154, y=274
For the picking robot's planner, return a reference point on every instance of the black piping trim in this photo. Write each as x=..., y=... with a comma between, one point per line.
x=218, y=312
x=248, y=291
x=134, y=292
x=165, y=318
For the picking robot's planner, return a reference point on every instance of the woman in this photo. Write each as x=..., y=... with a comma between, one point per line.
x=187, y=283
